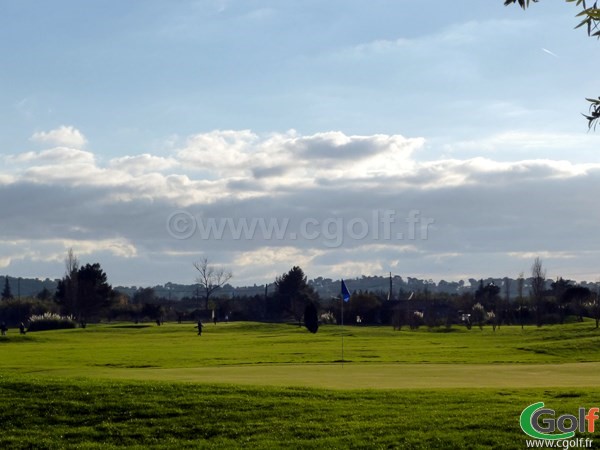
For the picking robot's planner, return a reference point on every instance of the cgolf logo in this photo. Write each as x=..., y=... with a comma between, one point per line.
x=540, y=423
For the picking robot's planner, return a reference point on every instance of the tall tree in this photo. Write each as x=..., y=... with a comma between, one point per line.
x=210, y=279
x=590, y=19
x=6, y=292
x=538, y=286
x=67, y=289
x=507, y=284
x=94, y=293
x=294, y=293
x=559, y=287
x=487, y=295
x=576, y=296
x=84, y=291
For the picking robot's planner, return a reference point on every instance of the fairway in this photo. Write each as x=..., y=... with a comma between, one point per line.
x=286, y=355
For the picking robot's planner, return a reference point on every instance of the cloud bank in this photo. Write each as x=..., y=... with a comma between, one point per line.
x=371, y=196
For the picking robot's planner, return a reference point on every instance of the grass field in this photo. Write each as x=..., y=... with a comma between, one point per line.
x=277, y=386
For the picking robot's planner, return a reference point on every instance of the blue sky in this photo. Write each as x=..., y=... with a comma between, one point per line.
x=115, y=115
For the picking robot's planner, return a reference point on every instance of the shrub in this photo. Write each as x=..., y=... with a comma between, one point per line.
x=416, y=320
x=478, y=315
x=327, y=318
x=16, y=311
x=50, y=321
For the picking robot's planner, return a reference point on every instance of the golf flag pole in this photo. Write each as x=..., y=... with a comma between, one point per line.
x=345, y=299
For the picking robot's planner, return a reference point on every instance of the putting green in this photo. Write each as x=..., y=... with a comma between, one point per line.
x=365, y=376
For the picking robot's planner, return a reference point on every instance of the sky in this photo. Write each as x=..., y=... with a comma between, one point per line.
x=439, y=140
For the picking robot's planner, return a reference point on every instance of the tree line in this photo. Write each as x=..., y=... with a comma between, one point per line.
x=85, y=295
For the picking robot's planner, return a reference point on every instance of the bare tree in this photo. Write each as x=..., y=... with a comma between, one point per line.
x=507, y=283
x=71, y=283
x=538, y=284
x=504, y=311
x=210, y=278
x=71, y=263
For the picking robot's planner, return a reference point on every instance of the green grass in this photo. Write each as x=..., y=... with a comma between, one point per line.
x=101, y=414
x=277, y=386
x=177, y=346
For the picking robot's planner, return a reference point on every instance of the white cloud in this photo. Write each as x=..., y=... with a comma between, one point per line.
x=67, y=136
x=4, y=262
x=266, y=256
x=241, y=165
x=270, y=262
x=219, y=150
x=116, y=246
x=350, y=269
x=530, y=256
x=58, y=155
x=43, y=252
x=144, y=163
x=483, y=209
x=6, y=179
x=289, y=159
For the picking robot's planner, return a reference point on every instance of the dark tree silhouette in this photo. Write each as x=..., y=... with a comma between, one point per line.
x=363, y=304
x=559, y=287
x=590, y=19
x=576, y=296
x=84, y=291
x=487, y=295
x=6, y=292
x=94, y=293
x=294, y=293
x=311, y=318
x=146, y=304
x=67, y=289
x=44, y=294
x=144, y=295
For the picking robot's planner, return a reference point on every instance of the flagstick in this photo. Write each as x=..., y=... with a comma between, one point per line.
x=342, y=297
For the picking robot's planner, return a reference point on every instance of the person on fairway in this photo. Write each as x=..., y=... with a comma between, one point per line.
x=21, y=328
x=3, y=328
x=199, y=328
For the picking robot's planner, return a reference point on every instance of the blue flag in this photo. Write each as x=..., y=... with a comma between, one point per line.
x=345, y=292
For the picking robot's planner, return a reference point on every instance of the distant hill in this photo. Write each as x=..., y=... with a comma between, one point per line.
x=326, y=287
x=28, y=287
